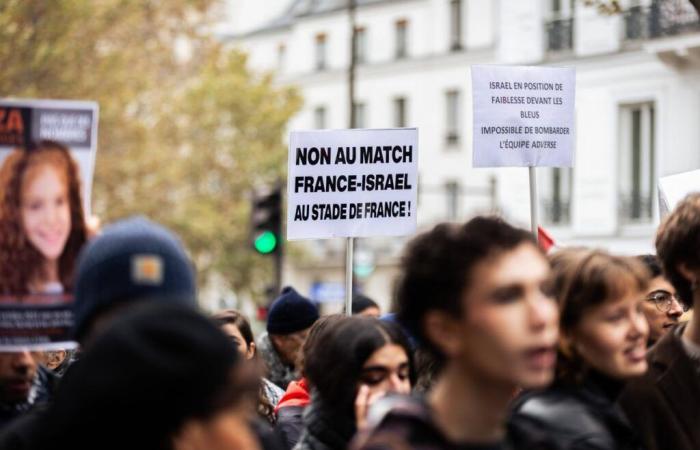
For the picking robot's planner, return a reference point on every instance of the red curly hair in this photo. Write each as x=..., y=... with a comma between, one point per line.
x=20, y=262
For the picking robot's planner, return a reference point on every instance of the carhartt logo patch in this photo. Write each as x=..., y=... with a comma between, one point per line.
x=147, y=269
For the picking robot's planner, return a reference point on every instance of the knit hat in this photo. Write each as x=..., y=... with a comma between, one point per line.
x=154, y=367
x=291, y=312
x=132, y=260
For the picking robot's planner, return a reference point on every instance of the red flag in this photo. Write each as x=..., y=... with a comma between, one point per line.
x=545, y=240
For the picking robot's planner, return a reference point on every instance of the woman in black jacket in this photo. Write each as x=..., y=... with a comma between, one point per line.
x=357, y=361
x=602, y=345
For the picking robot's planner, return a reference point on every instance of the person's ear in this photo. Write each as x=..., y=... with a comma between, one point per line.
x=567, y=344
x=442, y=329
x=250, y=353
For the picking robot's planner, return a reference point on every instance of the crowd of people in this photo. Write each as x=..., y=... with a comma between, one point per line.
x=491, y=344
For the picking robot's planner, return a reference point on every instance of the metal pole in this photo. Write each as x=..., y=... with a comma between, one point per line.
x=349, y=256
x=534, y=219
x=352, y=65
x=350, y=242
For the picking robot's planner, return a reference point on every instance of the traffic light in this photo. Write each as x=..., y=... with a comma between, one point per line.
x=266, y=218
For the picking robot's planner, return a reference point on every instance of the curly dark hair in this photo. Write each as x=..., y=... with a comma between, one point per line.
x=20, y=262
x=678, y=242
x=437, y=268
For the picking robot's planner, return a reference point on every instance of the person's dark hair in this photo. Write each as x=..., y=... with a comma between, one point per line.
x=361, y=302
x=678, y=242
x=582, y=279
x=333, y=369
x=19, y=260
x=437, y=268
x=235, y=318
x=652, y=264
x=312, y=339
x=265, y=408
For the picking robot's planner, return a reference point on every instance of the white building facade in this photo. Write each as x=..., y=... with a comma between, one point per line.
x=637, y=108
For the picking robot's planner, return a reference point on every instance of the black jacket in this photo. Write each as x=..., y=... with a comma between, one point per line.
x=664, y=404
x=578, y=417
x=290, y=424
x=325, y=428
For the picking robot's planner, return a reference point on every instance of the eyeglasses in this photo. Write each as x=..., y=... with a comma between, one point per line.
x=663, y=301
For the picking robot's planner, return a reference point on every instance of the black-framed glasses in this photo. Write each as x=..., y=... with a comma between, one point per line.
x=664, y=300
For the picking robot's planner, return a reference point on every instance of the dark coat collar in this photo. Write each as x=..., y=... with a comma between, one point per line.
x=678, y=379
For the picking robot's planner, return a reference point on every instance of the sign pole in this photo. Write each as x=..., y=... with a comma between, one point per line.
x=349, y=246
x=534, y=218
x=350, y=242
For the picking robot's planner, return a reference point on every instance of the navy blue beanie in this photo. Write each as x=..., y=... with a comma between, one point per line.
x=291, y=312
x=132, y=260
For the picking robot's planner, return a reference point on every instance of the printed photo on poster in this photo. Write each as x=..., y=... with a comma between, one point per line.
x=46, y=161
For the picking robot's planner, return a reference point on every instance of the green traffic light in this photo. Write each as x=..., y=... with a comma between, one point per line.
x=266, y=242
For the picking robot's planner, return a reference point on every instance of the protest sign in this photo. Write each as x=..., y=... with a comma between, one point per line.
x=47, y=154
x=72, y=123
x=352, y=183
x=523, y=116
x=673, y=188
x=41, y=322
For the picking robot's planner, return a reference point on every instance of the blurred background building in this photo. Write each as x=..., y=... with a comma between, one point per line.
x=637, y=108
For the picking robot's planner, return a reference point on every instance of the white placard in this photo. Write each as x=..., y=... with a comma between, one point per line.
x=73, y=123
x=352, y=183
x=523, y=116
x=673, y=188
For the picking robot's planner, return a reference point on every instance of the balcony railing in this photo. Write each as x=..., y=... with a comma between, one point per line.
x=670, y=17
x=662, y=18
x=636, y=23
x=560, y=35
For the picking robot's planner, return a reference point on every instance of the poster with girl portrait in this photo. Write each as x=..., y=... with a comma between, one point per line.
x=47, y=156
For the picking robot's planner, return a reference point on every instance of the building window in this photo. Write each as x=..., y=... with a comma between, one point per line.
x=636, y=19
x=320, y=117
x=560, y=26
x=360, y=45
x=401, y=31
x=637, y=163
x=455, y=25
x=557, y=202
x=400, y=112
x=452, y=192
x=453, y=117
x=320, y=51
x=359, y=111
